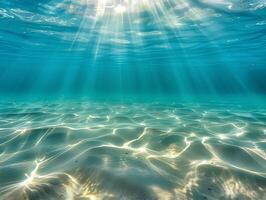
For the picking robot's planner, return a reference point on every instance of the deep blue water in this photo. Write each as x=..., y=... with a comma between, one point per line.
x=132, y=99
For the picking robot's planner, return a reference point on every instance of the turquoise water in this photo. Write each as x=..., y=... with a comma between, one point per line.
x=132, y=99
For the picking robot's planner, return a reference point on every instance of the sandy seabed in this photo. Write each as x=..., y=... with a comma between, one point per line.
x=131, y=151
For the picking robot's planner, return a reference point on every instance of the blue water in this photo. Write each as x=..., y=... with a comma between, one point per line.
x=132, y=99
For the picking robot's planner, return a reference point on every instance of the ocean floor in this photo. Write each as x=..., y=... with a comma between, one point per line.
x=112, y=151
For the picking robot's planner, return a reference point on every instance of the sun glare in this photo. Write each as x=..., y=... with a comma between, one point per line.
x=120, y=9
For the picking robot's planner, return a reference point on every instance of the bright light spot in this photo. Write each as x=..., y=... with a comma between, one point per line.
x=29, y=181
x=222, y=137
x=21, y=131
x=204, y=139
x=240, y=133
x=120, y=9
x=141, y=150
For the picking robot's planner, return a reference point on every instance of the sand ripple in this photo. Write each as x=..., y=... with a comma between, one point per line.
x=132, y=151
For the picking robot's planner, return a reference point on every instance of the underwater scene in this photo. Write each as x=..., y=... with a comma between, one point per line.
x=133, y=100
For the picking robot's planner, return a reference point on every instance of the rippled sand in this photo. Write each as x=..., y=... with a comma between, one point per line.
x=132, y=151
